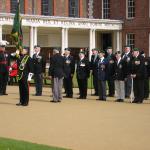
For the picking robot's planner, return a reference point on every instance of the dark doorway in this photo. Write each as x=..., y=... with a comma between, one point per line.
x=106, y=39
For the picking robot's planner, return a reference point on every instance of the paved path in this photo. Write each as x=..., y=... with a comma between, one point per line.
x=76, y=124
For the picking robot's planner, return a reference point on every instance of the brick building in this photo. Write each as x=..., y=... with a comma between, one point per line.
x=135, y=15
x=79, y=23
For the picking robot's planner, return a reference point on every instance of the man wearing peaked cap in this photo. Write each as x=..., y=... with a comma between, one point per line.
x=69, y=68
x=94, y=60
x=82, y=72
x=101, y=74
x=4, y=65
x=39, y=64
x=25, y=73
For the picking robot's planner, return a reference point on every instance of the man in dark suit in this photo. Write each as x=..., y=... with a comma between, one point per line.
x=147, y=75
x=101, y=73
x=69, y=68
x=119, y=76
x=127, y=57
x=110, y=71
x=56, y=73
x=4, y=67
x=25, y=73
x=39, y=69
x=82, y=72
x=138, y=72
x=94, y=60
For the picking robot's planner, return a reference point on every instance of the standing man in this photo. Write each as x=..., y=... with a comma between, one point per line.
x=39, y=69
x=83, y=72
x=101, y=73
x=56, y=73
x=138, y=72
x=119, y=75
x=127, y=57
x=4, y=67
x=69, y=68
x=147, y=75
x=110, y=71
x=94, y=60
x=25, y=73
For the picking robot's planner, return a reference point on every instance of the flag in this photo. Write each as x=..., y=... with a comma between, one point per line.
x=16, y=32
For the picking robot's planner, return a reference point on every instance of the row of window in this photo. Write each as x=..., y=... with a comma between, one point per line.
x=46, y=7
x=130, y=5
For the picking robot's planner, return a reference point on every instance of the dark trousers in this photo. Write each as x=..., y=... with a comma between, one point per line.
x=68, y=86
x=95, y=83
x=82, y=83
x=138, y=88
x=38, y=78
x=3, y=82
x=102, y=89
x=128, y=85
x=146, y=88
x=111, y=87
x=24, y=91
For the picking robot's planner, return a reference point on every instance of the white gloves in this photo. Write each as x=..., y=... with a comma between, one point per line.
x=10, y=69
x=30, y=76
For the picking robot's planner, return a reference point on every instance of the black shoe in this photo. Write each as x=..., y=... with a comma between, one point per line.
x=127, y=96
x=94, y=94
x=110, y=95
x=53, y=101
x=5, y=94
x=79, y=97
x=119, y=100
x=134, y=101
x=83, y=97
x=98, y=99
x=103, y=99
x=19, y=104
x=66, y=96
x=59, y=101
x=24, y=104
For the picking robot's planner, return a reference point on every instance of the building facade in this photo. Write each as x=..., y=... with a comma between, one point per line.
x=135, y=15
x=79, y=23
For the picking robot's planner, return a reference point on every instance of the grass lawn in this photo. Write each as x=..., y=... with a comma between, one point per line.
x=9, y=144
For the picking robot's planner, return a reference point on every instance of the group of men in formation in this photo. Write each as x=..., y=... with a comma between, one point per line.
x=124, y=72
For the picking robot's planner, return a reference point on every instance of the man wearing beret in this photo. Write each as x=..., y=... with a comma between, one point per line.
x=39, y=69
x=82, y=72
x=94, y=60
x=127, y=57
x=119, y=76
x=110, y=71
x=4, y=68
x=138, y=71
x=25, y=73
x=69, y=69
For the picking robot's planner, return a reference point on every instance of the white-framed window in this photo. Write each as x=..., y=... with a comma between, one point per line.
x=13, y=6
x=47, y=7
x=130, y=9
x=73, y=8
x=130, y=40
x=105, y=9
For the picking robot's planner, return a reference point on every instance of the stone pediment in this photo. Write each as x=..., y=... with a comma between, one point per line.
x=63, y=22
